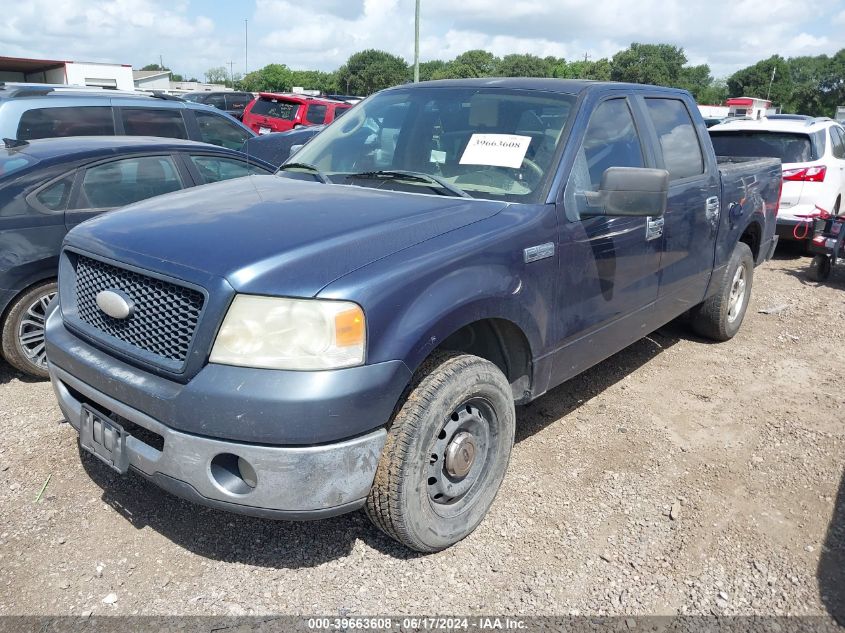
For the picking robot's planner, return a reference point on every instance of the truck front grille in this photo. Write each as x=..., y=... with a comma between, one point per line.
x=165, y=314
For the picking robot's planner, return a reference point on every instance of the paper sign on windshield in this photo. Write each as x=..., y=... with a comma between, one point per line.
x=496, y=150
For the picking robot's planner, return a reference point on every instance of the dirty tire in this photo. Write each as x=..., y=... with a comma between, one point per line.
x=713, y=318
x=819, y=268
x=400, y=502
x=13, y=349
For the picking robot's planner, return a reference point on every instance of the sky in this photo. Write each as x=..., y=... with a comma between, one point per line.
x=191, y=36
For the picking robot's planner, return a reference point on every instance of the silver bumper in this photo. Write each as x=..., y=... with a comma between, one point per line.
x=303, y=482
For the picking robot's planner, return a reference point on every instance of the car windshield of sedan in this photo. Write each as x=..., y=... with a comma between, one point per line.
x=481, y=143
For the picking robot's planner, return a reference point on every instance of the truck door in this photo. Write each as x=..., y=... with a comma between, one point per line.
x=692, y=212
x=608, y=265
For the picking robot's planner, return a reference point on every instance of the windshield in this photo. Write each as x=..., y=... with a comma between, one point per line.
x=12, y=161
x=788, y=147
x=490, y=143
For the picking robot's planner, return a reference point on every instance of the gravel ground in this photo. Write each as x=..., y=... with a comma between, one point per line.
x=677, y=477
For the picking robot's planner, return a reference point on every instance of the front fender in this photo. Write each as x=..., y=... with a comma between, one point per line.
x=458, y=299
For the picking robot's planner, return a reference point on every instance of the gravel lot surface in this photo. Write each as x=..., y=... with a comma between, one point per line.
x=676, y=477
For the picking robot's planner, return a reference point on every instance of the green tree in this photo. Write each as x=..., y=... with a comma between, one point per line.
x=154, y=67
x=370, y=71
x=696, y=79
x=430, y=68
x=714, y=94
x=754, y=81
x=598, y=70
x=658, y=64
x=217, y=75
x=272, y=78
x=518, y=65
x=474, y=63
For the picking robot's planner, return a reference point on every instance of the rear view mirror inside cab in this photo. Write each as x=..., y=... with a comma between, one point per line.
x=628, y=191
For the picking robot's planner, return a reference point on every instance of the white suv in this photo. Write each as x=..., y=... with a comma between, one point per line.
x=812, y=151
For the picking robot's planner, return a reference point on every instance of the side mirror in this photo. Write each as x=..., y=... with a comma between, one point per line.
x=629, y=191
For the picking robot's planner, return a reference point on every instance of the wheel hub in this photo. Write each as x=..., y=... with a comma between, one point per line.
x=460, y=455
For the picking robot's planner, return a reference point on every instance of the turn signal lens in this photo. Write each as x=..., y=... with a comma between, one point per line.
x=349, y=327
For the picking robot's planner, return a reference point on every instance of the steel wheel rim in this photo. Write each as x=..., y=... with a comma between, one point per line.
x=450, y=494
x=737, y=297
x=31, y=331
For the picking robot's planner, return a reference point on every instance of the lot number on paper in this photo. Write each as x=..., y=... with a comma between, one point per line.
x=496, y=150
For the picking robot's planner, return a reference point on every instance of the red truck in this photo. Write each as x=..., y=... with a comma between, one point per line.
x=279, y=112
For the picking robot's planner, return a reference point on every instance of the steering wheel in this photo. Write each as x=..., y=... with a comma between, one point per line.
x=538, y=171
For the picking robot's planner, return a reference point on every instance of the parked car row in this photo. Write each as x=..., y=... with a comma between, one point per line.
x=69, y=155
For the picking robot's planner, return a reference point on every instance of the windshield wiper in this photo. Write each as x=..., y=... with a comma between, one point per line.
x=401, y=174
x=308, y=167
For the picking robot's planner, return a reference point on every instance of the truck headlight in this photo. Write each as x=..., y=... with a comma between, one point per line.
x=299, y=334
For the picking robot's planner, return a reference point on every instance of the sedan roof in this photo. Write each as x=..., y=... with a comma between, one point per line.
x=80, y=146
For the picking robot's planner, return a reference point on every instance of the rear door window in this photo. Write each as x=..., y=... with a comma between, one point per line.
x=276, y=108
x=129, y=180
x=153, y=122
x=682, y=155
x=220, y=130
x=217, y=168
x=787, y=146
x=68, y=121
x=316, y=113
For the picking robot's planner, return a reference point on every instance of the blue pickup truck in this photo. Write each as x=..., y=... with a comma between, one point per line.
x=357, y=330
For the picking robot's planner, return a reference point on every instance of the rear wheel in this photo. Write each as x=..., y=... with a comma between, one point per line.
x=819, y=268
x=23, y=330
x=446, y=453
x=720, y=316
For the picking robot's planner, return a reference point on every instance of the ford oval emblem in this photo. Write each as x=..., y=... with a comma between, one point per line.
x=115, y=303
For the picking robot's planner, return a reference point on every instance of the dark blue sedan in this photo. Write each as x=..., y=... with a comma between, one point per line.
x=47, y=186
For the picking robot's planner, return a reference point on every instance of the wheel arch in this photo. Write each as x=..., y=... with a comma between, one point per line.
x=752, y=235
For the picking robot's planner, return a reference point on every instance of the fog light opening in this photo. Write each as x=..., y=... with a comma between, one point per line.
x=233, y=474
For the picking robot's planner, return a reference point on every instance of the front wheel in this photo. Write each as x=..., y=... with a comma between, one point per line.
x=720, y=316
x=23, y=330
x=446, y=453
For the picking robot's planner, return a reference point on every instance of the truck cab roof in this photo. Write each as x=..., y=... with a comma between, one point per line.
x=563, y=86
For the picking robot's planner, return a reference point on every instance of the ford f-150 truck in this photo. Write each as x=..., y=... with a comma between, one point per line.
x=356, y=330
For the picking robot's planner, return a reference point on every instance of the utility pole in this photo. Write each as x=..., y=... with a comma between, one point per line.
x=246, y=49
x=160, y=61
x=231, y=73
x=771, y=81
x=417, y=44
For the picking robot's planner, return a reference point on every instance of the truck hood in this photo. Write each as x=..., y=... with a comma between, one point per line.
x=273, y=235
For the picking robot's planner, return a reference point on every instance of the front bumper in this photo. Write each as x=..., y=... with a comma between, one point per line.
x=300, y=482
x=331, y=426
